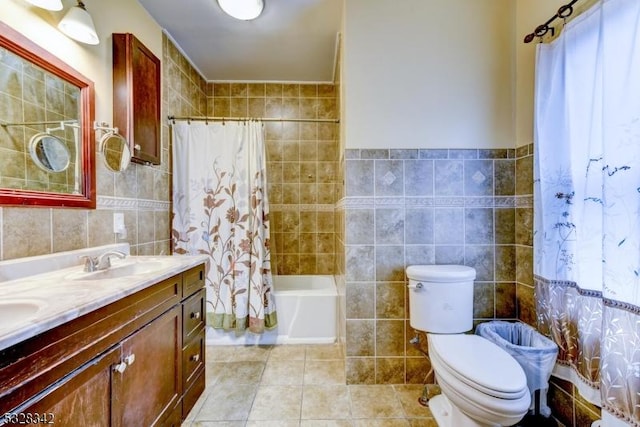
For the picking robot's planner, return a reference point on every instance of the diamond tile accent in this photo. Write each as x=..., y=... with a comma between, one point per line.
x=388, y=178
x=478, y=177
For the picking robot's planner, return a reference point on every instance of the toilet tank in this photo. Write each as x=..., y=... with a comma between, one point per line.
x=441, y=298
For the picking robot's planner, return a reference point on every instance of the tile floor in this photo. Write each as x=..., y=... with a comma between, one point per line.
x=298, y=385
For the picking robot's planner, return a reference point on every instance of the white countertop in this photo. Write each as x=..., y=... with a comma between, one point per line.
x=67, y=293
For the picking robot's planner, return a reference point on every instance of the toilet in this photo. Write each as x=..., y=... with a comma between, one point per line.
x=482, y=385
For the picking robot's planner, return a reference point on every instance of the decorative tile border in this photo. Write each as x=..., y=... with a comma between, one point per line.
x=123, y=203
x=430, y=154
x=524, y=201
x=301, y=208
x=426, y=202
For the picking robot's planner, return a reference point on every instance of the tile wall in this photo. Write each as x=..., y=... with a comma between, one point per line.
x=523, y=237
x=404, y=207
x=142, y=192
x=30, y=94
x=302, y=161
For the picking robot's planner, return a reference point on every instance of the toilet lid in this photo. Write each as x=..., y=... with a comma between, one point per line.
x=479, y=362
x=441, y=273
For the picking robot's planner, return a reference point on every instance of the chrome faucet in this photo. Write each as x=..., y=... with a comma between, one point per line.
x=101, y=262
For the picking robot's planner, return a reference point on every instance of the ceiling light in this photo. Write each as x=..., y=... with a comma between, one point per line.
x=47, y=4
x=245, y=10
x=78, y=25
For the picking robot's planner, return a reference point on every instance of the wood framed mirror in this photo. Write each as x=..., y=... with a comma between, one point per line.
x=40, y=93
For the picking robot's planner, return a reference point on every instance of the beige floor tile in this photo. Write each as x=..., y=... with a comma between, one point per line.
x=326, y=423
x=254, y=353
x=213, y=370
x=239, y=372
x=197, y=406
x=324, y=352
x=287, y=352
x=325, y=402
x=277, y=403
x=389, y=422
x=283, y=372
x=272, y=423
x=374, y=401
x=422, y=422
x=217, y=424
x=227, y=402
x=408, y=395
x=324, y=372
x=298, y=386
x=219, y=353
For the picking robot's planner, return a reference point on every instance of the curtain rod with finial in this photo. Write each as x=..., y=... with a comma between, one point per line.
x=564, y=12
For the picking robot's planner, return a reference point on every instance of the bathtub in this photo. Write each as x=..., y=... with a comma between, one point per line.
x=307, y=314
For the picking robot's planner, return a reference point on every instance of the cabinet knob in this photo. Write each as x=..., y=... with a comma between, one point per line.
x=137, y=147
x=120, y=367
x=130, y=359
x=195, y=315
x=195, y=358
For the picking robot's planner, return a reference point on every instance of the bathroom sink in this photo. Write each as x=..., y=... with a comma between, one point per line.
x=125, y=269
x=14, y=311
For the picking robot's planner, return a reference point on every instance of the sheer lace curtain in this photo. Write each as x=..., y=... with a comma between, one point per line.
x=587, y=199
x=221, y=209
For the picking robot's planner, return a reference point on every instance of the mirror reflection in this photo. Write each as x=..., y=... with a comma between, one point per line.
x=29, y=92
x=38, y=165
x=116, y=152
x=49, y=152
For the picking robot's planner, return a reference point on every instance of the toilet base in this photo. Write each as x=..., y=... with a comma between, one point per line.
x=447, y=415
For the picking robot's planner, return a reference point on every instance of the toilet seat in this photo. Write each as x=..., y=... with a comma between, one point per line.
x=466, y=366
x=480, y=364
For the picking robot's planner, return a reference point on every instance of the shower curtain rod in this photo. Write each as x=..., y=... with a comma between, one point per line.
x=564, y=12
x=242, y=119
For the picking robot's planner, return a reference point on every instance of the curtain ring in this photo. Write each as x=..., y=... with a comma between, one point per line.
x=541, y=30
x=566, y=8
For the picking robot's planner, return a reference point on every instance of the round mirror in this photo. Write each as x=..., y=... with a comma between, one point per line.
x=49, y=152
x=116, y=152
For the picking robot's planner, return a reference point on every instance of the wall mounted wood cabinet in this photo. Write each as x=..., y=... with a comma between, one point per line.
x=136, y=97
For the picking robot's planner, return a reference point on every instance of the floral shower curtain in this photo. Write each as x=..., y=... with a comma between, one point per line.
x=586, y=205
x=220, y=209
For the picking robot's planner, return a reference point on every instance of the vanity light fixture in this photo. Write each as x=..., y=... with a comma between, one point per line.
x=78, y=25
x=47, y=4
x=244, y=10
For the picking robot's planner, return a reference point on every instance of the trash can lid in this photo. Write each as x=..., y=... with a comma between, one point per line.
x=441, y=273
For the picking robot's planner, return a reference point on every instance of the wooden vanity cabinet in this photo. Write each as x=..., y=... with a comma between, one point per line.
x=122, y=365
x=149, y=389
x=81, y=399
x=193, y=337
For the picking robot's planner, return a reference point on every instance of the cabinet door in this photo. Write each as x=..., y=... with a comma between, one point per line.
x=136, y=97
x=81, y=399
x=151, y=386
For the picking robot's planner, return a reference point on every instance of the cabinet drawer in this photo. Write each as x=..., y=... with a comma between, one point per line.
x=192, y=280
x=192, y=359
x=193, y=313
x=193, y=393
